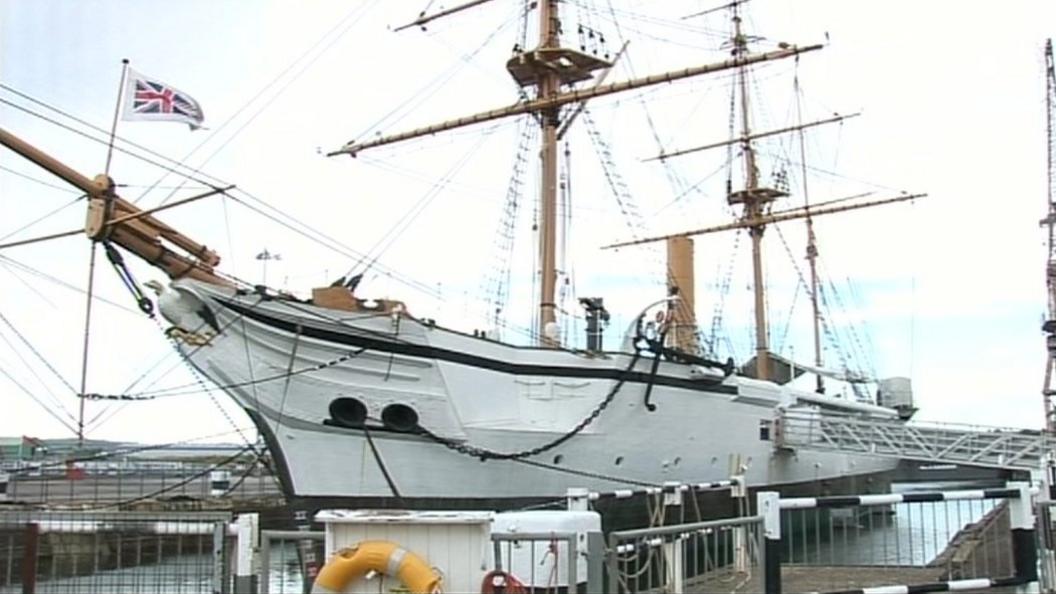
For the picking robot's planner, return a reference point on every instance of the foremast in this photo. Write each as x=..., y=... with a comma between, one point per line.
x=549, y=67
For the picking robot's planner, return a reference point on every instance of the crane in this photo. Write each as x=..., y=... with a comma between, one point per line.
x=1049, y=222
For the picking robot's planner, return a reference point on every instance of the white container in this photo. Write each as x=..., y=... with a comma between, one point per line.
x=456, y=544
x=537, y=563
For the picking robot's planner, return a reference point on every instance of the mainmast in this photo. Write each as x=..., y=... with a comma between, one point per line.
x=754, y=199
x=550, y=67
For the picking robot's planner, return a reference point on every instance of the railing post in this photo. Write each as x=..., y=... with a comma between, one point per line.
x=577, y=499
x=246, y=552
x=741, y=536
x=611, y=560
x=673, y=551
x=595, y=562
x=221, y=581
x=1024, y=546
x=768, y=504
x=264, y=563
x=29, y=558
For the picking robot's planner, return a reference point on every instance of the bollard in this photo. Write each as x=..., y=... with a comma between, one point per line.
x=768, y=505
x=246, y=553
x=219, y=482
x=1024, y=546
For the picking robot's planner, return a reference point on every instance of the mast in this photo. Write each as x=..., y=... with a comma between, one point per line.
x=754, y=198
x=812, y=248
x=1049, y=221
x=548, y=86
x=549, y=67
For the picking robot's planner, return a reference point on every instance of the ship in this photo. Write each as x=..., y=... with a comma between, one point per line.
x=363, y=403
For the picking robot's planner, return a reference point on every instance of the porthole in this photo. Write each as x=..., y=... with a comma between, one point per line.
x=399, y=417
x=558, y=459
x=618, y=460
x=348, y=412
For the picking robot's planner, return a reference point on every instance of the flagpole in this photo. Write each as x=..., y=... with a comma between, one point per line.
x=117, y=113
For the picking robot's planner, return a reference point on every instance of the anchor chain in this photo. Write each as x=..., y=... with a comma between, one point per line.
x=486, y=454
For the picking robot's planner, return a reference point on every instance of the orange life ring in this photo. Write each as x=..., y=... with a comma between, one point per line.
x=382, y=556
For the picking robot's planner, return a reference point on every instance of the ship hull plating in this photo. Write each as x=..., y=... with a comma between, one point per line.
x=342, y=397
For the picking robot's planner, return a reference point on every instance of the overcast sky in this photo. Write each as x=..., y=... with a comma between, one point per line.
x=948, y=291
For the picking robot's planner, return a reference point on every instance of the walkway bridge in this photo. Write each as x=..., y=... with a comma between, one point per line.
x=990, y=447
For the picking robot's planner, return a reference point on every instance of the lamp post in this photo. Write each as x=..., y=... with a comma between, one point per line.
x=264, y=257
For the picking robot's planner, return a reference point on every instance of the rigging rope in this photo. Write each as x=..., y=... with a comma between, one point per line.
x=224, y=387
x=56, y=401
x=65, y=189
x=117, y=452
x=497, y=285
x=173, y=486
x=37, y=400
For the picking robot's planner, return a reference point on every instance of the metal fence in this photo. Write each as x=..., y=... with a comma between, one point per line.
x=937, y=540
x=713, y=556
x=1046, y=533
x=126, y=552
x=536, y=562
x=54, y=484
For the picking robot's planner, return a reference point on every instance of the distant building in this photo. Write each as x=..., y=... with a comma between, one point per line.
x=21, y=448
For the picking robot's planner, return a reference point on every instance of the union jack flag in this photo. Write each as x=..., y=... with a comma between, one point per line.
x=149, y=99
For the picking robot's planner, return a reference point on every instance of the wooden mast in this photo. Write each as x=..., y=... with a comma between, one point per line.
x=754, y=198
x=548, y=67
x=548, y=85
x=812, y=248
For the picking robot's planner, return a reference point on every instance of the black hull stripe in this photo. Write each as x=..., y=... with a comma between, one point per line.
x=429, y=352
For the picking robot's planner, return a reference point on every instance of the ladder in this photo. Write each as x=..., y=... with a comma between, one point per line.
x=811, y=429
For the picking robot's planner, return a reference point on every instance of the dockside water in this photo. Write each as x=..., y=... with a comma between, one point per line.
x=906, y=534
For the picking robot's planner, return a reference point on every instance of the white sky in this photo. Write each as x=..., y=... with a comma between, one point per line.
x=950, y=289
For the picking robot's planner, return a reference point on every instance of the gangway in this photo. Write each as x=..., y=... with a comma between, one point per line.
x=969, y=445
